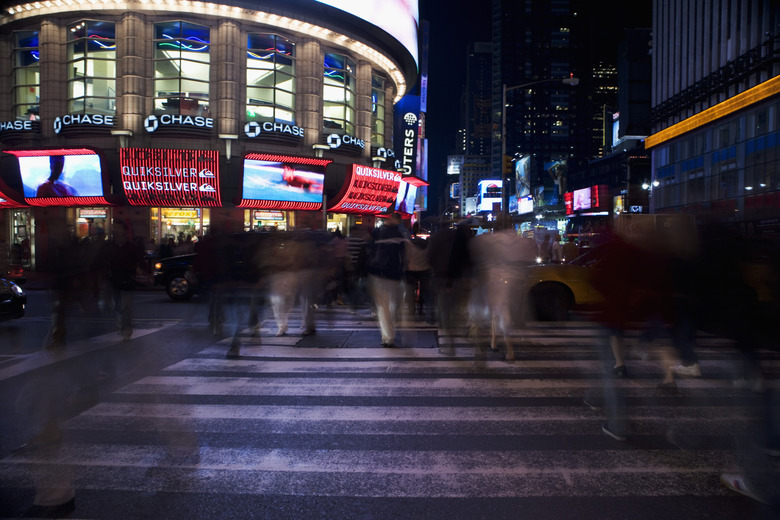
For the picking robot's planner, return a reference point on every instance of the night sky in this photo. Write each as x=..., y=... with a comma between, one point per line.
x=456, y=23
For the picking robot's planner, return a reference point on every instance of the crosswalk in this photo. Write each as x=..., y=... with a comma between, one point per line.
x=334, y=426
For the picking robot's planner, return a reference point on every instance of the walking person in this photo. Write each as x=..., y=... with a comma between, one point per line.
x=385, y=271
x=119, y=260
x=417, y=275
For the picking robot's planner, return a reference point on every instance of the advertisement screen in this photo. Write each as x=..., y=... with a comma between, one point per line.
x=167, y=177
x=274, y=179
x=61, y=177
x=407, y=194
x=523, y=176
x=582, y=199
x=398, y=18
x=489, y=193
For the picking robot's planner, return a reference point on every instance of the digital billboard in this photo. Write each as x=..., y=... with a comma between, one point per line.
x=167, y=177
x=367, y=191
x=407, y=194
x=582, y=199
x=282, y=182
x=398, y=18
x=61, y=177
x=489, y=193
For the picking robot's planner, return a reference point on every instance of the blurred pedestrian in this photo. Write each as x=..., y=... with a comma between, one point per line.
x=449, y=255
x=120, y=259
x=385, y=271
x=500, y=262
x=417, y=277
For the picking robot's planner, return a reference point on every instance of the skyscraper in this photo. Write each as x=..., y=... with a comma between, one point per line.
x=535, y=46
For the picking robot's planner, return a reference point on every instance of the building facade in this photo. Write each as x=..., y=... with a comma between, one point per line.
x=716, y=111
x=185, y=103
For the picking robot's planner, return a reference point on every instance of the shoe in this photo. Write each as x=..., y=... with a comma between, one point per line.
x=739, y=483
x=281, y=332
x=686, y=370
x=233, y=353
x=620, y=371
x=591, y=403
x=388, y=345
x=667, y=385
x=611, y=433
x=308, y=332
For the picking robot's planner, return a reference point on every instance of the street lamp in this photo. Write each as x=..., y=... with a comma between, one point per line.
x=505, y=184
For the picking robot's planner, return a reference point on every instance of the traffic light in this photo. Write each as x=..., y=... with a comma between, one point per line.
x=506, y=166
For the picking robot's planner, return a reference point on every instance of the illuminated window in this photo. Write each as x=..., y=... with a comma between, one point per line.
x=181, y=68
x=377, y=109
x=92, y=67
x=27, y=75
x=270, y=78
x=338, y=105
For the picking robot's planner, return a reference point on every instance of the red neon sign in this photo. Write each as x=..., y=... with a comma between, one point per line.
x=283, y=182
x=367, y=191
x=162, y=177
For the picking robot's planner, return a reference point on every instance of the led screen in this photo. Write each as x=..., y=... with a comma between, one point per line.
x=407, y=194
x=489, y=193
x=55, y=176
x=167, y=177
x=398, y=18
x=276, y=180
x=582, y=199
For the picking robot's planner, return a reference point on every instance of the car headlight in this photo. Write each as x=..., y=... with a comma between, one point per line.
x=158, y=266
x=538, y=259
x=17, y=290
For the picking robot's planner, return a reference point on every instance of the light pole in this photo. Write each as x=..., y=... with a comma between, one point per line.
x=505, y=182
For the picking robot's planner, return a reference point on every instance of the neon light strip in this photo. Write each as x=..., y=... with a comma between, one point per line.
x=309, y=161
x=57, y=151
x=279, y=204
x=23, y=11
x=734, y=104
x=67, y=201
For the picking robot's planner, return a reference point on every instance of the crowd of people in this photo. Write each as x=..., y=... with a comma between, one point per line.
x=665, y=289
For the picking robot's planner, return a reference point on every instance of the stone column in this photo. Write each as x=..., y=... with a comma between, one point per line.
x=363, y=106
x=308, y=101
x=227, y=53
x=390, y=91
x=53, y=69
x=134, y=72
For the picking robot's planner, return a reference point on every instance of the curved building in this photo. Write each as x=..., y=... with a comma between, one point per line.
x=174, y=114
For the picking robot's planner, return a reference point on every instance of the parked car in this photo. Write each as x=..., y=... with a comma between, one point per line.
x=13, y=300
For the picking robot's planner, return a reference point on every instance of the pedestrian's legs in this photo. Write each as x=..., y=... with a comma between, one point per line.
x=386, y=302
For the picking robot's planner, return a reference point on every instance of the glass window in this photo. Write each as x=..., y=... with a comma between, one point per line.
x=92, y=67
x=181, y=68
x=377, y=109
x=338, y=105
x=26, y=75
x=270, y=78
